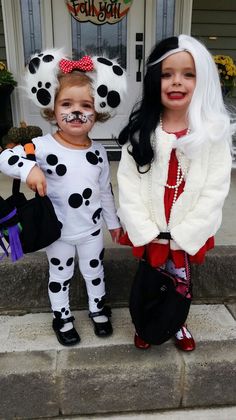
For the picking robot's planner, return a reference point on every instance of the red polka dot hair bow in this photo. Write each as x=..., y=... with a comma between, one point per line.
x=84, y=64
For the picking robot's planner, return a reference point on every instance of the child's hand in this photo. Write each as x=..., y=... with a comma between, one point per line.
x=116, y=234
x=36, y=181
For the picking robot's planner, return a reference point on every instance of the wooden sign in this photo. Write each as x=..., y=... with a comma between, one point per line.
x=97, y=11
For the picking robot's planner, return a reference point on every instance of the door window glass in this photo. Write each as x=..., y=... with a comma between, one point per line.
x=164, y=18
x=31, y=27
x=109, y=40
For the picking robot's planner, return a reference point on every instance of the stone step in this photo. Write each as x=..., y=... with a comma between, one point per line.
x=39, y=378
x=24, y=283
x=223, y=413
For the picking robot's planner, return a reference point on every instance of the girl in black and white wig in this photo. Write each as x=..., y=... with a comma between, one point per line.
x=174, y=173
x=75, y=170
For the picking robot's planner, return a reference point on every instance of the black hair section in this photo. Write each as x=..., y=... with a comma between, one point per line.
x=145, y=115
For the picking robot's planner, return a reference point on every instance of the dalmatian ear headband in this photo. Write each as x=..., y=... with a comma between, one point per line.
x=108, y=78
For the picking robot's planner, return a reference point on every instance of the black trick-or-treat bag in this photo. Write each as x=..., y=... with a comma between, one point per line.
x=159, y=303
x=27, y=225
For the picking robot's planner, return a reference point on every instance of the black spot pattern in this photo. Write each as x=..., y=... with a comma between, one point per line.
x=96, y=282
x=100, y=302
x=101, y=256
x=105, y=61
x=102, y=91
x=86, y=195
x=13, y=160
x=55, y=261
x=96, y=233
x=52, y=159
x=54, y=287
x=35, y=62
x=95, y=262
x=94, y=158
x=58, y=315
x=65, y=285
x=69, y=261
x=60, y=169
x=76, y=200
x=65, y=311
x=112, y=97
x=42, y=92
x=96, y=216
x=117, y=70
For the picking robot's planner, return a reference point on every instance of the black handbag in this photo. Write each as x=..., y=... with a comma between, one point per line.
x=37, y=218
x=159, y=303
x=27, y=225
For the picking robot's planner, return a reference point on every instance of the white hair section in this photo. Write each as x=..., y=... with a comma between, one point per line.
x=208, y=117
x=167, y=54
x=41, y=78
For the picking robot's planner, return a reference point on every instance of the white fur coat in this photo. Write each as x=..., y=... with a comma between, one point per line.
x=196, y=215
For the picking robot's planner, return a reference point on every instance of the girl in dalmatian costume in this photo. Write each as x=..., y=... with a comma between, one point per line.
x=75, y=171
x=174, y=173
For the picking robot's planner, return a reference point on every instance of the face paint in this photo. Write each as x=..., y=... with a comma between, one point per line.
x=77, y=115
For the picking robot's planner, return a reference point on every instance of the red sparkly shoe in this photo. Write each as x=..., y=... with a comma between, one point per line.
x=184, y=339
x=139, y=343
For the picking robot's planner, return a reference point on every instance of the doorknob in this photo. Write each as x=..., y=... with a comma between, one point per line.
x=139, y=57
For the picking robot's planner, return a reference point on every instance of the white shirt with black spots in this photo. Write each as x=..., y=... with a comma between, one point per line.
x=14, y=163
x=78, y=184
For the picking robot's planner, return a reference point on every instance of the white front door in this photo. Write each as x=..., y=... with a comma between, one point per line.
x=123, y=40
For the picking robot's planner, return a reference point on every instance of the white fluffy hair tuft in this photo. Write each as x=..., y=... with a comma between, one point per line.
x=208, y=117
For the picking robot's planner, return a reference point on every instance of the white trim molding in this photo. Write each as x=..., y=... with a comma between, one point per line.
x=150, y=26
x=14, y=50
x=183, y=17
x=46, y=24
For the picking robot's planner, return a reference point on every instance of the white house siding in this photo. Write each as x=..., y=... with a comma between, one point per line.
x=217, y=18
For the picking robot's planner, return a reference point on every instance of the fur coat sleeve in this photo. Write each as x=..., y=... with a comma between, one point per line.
x=134, y=212
x=207, y=185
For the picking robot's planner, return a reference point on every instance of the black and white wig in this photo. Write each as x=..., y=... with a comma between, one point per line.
x=207, y=116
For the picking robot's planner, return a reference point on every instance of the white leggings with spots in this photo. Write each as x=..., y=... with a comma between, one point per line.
x=61, y=257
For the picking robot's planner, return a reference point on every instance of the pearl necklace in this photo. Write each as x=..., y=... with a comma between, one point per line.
x=180, y=172
x=179, y=178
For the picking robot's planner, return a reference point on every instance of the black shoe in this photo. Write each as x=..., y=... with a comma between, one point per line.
x=66, y=338
x=102, y=329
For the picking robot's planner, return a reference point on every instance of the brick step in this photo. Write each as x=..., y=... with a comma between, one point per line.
x=24, y=283
x=39, y=378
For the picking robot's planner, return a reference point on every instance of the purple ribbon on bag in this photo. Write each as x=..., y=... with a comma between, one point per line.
x=14, y=239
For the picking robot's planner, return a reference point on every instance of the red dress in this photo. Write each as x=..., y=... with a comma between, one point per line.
x=158, y=254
